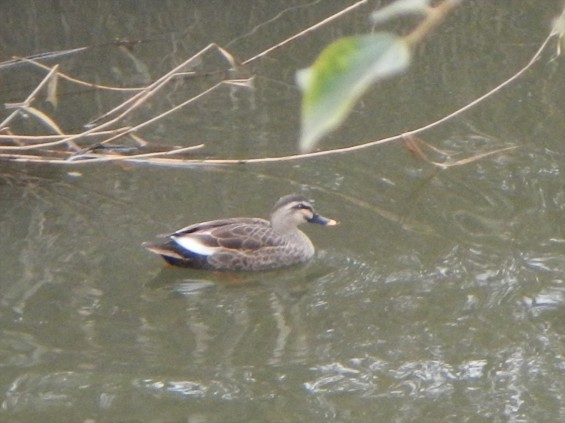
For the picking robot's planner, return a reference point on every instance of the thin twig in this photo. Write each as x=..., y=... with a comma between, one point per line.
x=31, y=96
x=61, y=141
x=162, y=115
x=79, y=81
x=48, y=55
x=139, y=98
x=118, y=157
x=435, y=16
x=150, y=90
x=41, y=138
x=306, y=31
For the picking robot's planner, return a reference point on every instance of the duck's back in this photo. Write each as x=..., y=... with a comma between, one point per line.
x=240, y=244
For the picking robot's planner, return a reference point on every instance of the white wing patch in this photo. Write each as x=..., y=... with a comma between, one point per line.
x=194, y=245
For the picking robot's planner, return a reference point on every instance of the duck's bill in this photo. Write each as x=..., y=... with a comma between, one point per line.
x=321, y=220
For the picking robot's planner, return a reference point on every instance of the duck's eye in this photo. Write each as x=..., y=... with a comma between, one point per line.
x=301, y=206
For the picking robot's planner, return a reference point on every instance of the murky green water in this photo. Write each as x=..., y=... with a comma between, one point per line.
x=439, y=298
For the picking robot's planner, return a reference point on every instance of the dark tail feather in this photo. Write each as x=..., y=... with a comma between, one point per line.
x=174, y=254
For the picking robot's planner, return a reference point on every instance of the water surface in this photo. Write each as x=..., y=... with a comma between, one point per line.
x=440, y=297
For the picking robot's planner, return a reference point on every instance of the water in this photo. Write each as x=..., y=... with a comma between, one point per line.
x=439, y=297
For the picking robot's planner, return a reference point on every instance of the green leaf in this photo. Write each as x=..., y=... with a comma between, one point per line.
x=342, y=73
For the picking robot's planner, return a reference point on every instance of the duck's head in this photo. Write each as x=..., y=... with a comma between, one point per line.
x=293, y=210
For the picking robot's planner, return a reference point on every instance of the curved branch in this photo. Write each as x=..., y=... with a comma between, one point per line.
x=368, y=144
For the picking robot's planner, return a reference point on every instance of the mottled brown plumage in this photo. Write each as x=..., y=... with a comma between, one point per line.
x=244, y=243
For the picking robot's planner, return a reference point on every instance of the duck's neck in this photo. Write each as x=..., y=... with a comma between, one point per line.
x=285, y=228
x=296, y=237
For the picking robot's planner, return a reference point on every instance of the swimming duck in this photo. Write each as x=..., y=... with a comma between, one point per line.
x=244, y=243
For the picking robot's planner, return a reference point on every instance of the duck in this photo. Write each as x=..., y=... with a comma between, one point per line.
x=244, y=243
